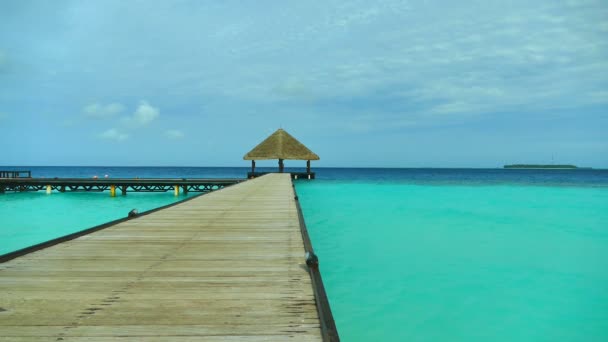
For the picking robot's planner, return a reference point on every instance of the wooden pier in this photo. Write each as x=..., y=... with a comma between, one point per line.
x=15, y=174
x=226, y=266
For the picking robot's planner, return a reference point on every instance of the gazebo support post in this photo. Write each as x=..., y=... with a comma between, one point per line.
x=252, y=167
x=281, y=166
x=308, y=166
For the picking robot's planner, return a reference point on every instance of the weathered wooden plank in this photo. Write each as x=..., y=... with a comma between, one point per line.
x=292, y=336
x=145, y=330
x=227, y=266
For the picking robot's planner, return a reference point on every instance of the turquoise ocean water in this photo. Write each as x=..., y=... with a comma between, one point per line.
x=405, y=262
x=30, y=218
x=411, y=254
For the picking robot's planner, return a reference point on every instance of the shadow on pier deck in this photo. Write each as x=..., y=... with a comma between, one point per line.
x=228, y=265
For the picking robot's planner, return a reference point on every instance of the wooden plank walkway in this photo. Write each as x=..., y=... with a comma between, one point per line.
x=227, y=266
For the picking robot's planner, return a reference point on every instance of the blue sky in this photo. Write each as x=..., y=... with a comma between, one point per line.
x=362, y=83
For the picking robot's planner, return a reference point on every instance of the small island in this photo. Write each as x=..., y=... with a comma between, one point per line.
x=540, y=166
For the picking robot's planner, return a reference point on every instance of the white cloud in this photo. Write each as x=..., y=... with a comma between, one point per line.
x=454, y=107
x=100, y=111
x=599, y=96
x=68, y=123
x=174, y=134
x=114, y=134
x=487, y=57
x=144, y=114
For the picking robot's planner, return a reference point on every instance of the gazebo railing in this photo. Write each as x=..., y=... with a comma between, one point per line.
x=294, y=175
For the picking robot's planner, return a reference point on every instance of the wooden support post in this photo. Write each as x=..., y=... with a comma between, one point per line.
x=185, y=188
x=112, y=190
x=253, y=166
x=48, y=189
x=308, y=166
x=123, y=190
x=281, y=166
x=2, y=187
x=62, y=188
x=176, y=190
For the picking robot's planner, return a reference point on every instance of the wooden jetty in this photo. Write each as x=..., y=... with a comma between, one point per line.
x=15, y=174
x=112, y=184
x=226, y=266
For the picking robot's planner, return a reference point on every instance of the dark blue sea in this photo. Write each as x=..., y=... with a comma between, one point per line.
x=578, y=177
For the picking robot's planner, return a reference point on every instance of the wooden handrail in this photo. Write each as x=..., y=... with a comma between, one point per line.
x=329, y=331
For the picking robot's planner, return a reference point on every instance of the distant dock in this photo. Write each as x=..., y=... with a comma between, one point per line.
x=15, y=174
x=229, y=265
x=113, y=185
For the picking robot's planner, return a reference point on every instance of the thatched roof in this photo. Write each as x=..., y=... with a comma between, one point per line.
x=281, y=145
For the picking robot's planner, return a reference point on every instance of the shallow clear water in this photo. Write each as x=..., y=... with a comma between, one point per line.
x=460, y=262
x=409, y=254
x=30, y=218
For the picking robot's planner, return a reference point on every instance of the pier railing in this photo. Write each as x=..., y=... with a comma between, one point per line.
x=15, y=174
x=329, y=331
x=294, y=175
x=124, y=185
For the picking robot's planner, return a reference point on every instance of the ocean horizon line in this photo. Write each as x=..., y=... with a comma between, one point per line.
x=316, y=167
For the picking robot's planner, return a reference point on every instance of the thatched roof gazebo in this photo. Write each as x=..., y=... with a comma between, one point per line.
x=281, y=145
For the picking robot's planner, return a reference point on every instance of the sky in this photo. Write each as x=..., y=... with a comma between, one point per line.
x=435, y=83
